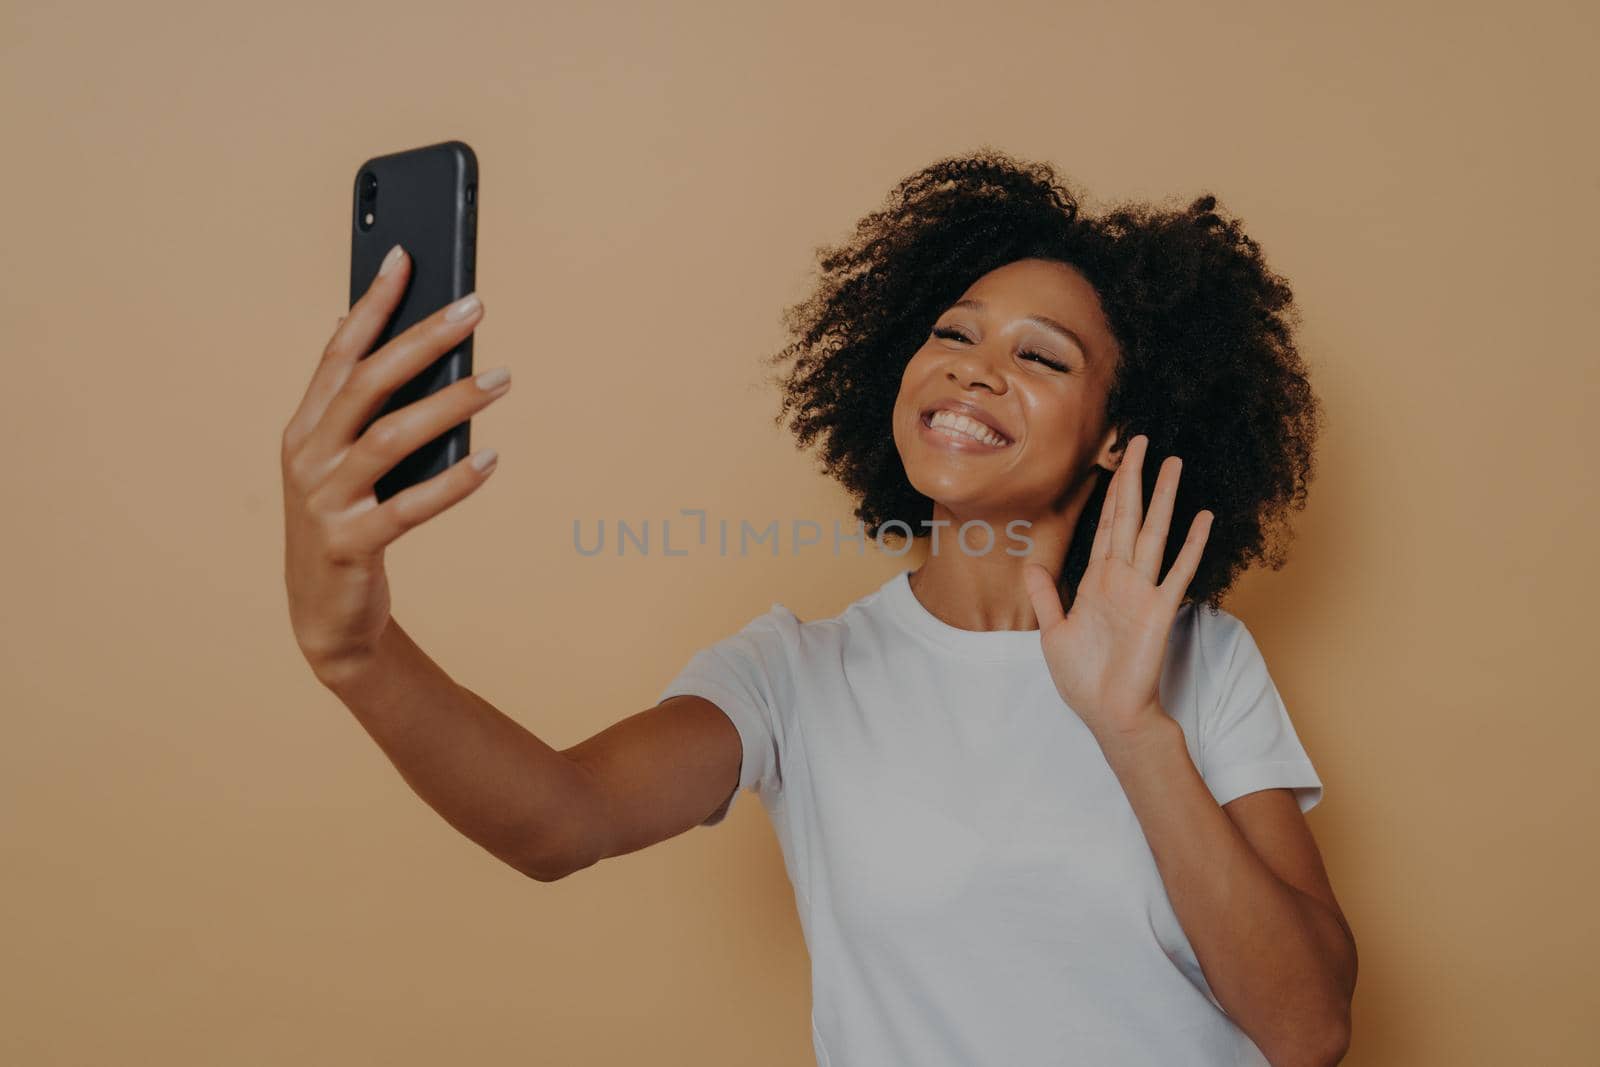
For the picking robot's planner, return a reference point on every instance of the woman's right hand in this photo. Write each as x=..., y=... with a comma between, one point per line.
x=335, y=528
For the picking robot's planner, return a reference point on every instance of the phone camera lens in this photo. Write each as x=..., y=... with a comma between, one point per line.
x=369, y=185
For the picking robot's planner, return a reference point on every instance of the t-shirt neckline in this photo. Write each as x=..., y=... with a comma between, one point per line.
x=977, y=644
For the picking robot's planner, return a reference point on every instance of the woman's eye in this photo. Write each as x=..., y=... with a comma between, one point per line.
x=1027, y=353
x=1042, y=358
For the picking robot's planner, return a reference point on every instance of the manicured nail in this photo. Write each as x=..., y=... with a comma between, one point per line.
x=485, y=459
x=462, y=308
x=490, y=380
x=390, y=261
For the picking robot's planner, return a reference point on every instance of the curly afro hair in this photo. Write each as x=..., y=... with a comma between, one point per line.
x=1208, y=365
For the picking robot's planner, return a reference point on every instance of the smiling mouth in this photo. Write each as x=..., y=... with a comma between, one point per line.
x=963, y=429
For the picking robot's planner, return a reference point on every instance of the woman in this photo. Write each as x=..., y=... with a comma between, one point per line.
x=1039, y=799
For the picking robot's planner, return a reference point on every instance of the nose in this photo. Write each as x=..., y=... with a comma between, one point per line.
x=971, y=367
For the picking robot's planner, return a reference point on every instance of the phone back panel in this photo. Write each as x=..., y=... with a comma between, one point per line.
x=426, y=201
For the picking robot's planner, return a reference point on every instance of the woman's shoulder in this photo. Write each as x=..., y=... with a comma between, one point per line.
x=1206, y=622
x=1207, y=633
x=853, y=614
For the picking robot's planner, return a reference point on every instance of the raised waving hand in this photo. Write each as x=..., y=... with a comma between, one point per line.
x=1106, y=651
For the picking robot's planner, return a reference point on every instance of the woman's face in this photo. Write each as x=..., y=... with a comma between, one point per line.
x=1000, y=413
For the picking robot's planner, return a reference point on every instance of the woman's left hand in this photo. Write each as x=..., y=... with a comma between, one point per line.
x=1106, y=652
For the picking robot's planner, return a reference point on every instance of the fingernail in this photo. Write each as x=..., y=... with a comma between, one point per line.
x=490, y=380
x=390, y=261
x=462, y=308
x=485, y=459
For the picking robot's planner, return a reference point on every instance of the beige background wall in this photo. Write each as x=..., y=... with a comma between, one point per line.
x=206, y=861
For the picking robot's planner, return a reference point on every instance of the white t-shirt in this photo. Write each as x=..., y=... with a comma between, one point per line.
x=973, y=886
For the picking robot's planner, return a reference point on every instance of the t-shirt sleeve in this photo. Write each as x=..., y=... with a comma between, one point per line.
x=748, y=675
x=1246, y=740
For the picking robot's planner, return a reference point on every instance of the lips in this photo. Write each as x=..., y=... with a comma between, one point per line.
x=969, y=409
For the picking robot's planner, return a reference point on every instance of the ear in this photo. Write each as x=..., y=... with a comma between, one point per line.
x=1108, y=458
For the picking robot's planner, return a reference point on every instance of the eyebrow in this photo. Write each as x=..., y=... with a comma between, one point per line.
x=1038, y=320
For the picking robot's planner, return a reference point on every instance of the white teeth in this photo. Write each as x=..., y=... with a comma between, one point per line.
x=950, y=420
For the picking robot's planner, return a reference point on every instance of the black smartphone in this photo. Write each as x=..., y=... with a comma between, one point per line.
x=425, y=199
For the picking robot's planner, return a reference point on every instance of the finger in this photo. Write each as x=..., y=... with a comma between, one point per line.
x=374, y=380
x=1125, y=520
x=1101, y=545
x=365, y=320
x=400, y=433
x=1188, y=560
x=1152, y=543
x=412, y=507
x=1043, y=593
x=352, y=339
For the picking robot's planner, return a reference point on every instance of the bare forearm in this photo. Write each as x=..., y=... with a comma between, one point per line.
x=1276, y=960
x=483, y=772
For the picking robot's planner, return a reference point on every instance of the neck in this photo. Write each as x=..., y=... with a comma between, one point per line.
x=985, y=591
